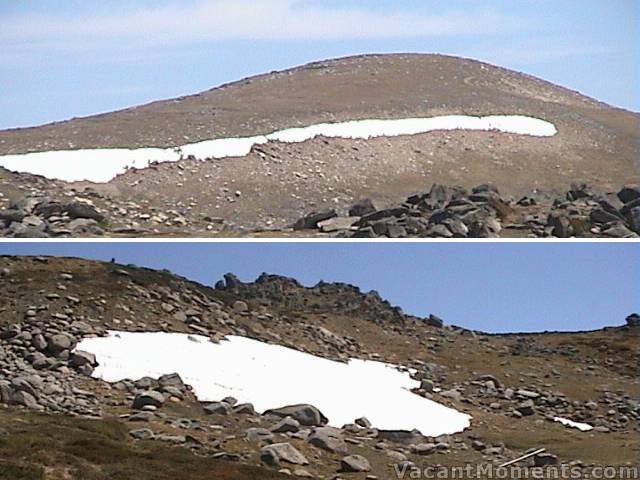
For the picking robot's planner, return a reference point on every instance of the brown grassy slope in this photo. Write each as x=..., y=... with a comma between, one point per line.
x=579, y=365
x=55, y=447
x=596, y=143
x=612, y=352
x=356, y=87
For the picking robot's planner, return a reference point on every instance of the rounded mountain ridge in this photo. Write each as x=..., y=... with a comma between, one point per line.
x=349, y=88
x=271, y=185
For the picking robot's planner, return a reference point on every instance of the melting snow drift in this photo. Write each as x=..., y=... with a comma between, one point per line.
x=583, y=427
x=271, y=376
x=104, y=164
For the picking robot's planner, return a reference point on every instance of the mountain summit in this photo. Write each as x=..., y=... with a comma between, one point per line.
x=271, y=182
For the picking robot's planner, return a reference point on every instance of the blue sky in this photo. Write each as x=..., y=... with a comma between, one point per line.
x=66, y=58
x=486, y=286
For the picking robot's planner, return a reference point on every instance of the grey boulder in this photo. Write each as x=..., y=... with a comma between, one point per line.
x=305, y=414
x=329, y=439
x=148, y=398
x=282, y=452
x=354, y=463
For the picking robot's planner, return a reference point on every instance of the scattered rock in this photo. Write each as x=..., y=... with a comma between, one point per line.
x=311, y=221
x=79, y=358
x=328, y=438
x=424, y=448
x=305, y=414
x=217, y=408
x=287, y=424
x=59, y=342
x=633, y=320
x=449, y=212
x=361, y=208
x=258, y=435
x=239, y=306
x=83, y=210
x=272, y=455
x=244, y=409
x=544, y=459
x=148, y=398
x=337, y=224
x=363, y=422
x=526, y=408
x=354, y=463
x=26, y=399
x=142, y=434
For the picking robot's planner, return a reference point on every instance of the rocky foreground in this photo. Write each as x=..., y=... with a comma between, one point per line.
x=454, y=212
x=512, y=385
x=51, y=210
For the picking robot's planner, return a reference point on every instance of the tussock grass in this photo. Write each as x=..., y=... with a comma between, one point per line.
x=52, y=447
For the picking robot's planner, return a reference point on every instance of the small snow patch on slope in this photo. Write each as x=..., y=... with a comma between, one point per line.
x=271, y=376
x=583, y=427
x=103, y=164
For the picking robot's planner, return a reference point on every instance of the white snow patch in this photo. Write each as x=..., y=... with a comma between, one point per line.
x=271, y=376
x=98, y=165
x=583, y=427
x=103, y=164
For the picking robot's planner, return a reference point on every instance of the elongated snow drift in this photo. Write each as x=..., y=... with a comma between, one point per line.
x=103, y=164
x=271, y=376
x=583, y=427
